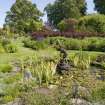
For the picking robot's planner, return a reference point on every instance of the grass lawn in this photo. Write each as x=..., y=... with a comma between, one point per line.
x=24, y=52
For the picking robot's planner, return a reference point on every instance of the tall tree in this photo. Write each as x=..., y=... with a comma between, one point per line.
x=22, y=16
x=100, y=6
x=64, y=9
x=82, y=5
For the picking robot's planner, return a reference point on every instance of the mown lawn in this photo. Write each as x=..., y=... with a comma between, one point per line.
x=49, y=52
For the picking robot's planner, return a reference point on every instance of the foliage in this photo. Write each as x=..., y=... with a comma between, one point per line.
x=35, y=26
x=82, y=60
x=23, y=17
x=5, y=32
x=5, y=41
x=35, y=98
x=1, y=49
x=6, y=68
x=68, y=25
x=12, y=79
x=42, y=70
x=42, y=66
x=101, y=58
x=11, y=93
x=11, y=48
x=86, y=44
x=7, y=45
x=92, y=23
x=98, y=94
x=45, y=72
x=36, y=45
x=70, y=34
x=64, y=9
x=100, y=6
x=7, y=99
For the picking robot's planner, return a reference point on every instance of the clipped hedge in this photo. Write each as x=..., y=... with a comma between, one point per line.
x=36, y=45
x=86, y=44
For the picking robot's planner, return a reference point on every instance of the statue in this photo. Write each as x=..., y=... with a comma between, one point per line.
x=62, y=65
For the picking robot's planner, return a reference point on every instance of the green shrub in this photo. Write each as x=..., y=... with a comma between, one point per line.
x=101, y=45
x=44, y=72
x=62, y=26
x=95, y=44
x=93, y=23
x=6, y=68
x=67, y=43
x=1, y=49
x=12, y=79
x=68, y=25
x=42, y=68
x=100, y=58
x=11, y=93
x=28, y=42
x=41, y=45
x=36, y=45
x=7, y=99
x=73, y=44
x=7, y=46
x=82, y=60
x=86, y=44
x=5, y=41
x=11, y=48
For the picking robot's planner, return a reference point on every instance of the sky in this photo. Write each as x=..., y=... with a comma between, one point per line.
x=6, y=4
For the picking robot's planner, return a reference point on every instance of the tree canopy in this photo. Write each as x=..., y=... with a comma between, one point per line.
x=100, y=6
x=24, y=16
x=64, y=9
x=92, y=23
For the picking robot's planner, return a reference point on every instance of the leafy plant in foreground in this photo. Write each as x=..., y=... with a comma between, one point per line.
x=82, y=60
